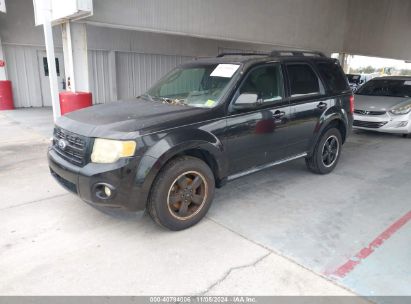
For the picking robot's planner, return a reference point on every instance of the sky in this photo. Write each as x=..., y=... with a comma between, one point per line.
x=376, y=62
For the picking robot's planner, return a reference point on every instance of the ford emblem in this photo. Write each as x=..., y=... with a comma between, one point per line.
x=62, y=144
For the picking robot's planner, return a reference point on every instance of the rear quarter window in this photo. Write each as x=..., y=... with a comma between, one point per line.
x=334, y=76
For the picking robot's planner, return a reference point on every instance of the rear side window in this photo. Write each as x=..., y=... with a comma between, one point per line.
x=333, y=75
x=303, y=80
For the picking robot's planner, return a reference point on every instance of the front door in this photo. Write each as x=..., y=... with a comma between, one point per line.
x=44, y=75
x=259, y=136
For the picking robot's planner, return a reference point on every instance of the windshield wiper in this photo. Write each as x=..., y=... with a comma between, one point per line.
x=167, y=100
x=173, y=101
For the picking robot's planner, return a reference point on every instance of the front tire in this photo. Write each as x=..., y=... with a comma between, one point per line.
x=326, y=152
x=181, y=193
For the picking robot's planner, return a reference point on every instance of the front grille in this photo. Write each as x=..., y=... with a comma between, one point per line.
x=73, y=147
x=369, y=124
x=373, y=113
x=65, y=183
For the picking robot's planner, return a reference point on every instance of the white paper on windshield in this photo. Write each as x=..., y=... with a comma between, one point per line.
x=225, y=70
x=407, y=82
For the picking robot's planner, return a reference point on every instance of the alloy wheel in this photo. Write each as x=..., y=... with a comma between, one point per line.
x=187, y=195
x=330, y=151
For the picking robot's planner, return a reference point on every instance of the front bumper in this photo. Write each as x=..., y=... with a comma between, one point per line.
x=386, y=123
x=84, y=181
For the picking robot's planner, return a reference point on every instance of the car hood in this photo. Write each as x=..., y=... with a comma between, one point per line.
x=378, y=103
x=130, y=118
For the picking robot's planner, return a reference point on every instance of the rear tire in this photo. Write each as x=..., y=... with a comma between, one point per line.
x=326, y=153
x=181, y=193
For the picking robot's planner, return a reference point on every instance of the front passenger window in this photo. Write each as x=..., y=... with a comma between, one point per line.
x=266, y=82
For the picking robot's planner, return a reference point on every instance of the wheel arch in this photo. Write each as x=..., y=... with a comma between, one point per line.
x=335, y=120
x=197, y=143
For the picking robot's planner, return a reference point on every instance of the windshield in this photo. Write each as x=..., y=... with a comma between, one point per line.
x=386, y=87
x=198, y=86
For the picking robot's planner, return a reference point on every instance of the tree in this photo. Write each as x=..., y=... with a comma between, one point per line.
x=405, y=73
x=367, y=70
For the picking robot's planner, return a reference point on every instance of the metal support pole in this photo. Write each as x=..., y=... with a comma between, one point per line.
x=344, y=59
x=68, y=56
x=3, y=75
x=48, y=36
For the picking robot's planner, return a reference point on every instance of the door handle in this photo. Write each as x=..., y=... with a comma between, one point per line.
x=322, y=105
x=278, y=114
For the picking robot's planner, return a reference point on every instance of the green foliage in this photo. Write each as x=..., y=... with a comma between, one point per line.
x=405, y=73
x=386, y=71
x=366, y=70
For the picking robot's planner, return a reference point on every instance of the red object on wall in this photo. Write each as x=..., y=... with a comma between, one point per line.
x=6, y=95
x=2, y=63
x=72, y=101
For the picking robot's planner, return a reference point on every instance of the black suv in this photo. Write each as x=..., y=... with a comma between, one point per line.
x=207, y=122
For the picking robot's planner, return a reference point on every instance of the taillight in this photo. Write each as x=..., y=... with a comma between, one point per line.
x=352, y=104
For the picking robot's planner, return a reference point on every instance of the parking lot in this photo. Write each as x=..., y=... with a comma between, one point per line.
x=281, y=231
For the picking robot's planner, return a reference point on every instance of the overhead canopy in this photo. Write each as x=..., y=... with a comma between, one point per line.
x=368, y=27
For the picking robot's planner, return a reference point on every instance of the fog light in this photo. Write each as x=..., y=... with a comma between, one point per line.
x=104, y=191
x=401, y=124
x=107, y=191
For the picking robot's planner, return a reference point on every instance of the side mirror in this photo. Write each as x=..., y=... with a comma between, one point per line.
x=246, y=101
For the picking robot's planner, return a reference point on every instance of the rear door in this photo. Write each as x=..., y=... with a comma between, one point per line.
x=308, y=103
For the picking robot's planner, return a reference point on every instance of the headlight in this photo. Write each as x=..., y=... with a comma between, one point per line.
x=401, y=110
x=107, y=151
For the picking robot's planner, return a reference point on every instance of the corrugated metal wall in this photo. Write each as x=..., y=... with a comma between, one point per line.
x=137, y=72
x=134, y=74
x=22, y=70
x=99, y=76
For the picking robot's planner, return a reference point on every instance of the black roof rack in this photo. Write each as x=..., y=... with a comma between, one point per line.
x=296, y=53
x=277, y=53
x=242, y=54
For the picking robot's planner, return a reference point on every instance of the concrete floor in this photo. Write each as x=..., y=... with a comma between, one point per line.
x=294, y=233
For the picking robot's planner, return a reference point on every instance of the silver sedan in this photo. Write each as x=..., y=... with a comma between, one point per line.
x=384, y=105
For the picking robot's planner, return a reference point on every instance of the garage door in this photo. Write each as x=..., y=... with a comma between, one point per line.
x=137, y=72
x=23, y=71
